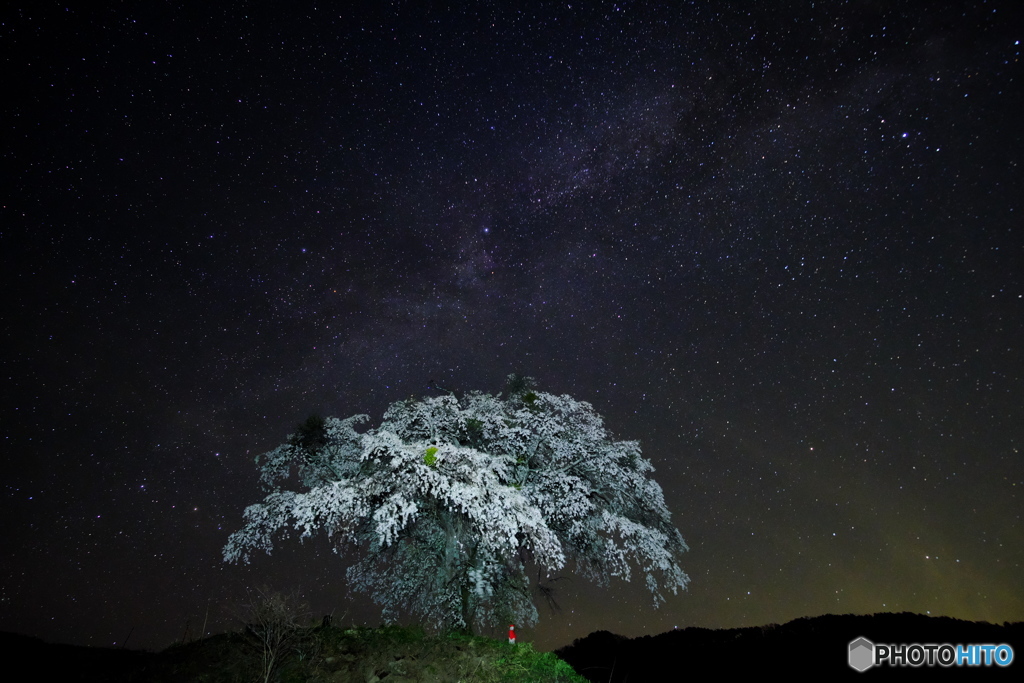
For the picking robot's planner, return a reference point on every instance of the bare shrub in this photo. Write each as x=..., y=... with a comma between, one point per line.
x=275, y=627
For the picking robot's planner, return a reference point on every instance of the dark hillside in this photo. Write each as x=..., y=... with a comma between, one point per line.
x=815, y=645
x=338, y=655
x=56, y=662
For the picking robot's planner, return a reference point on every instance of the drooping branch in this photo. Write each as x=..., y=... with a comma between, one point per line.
x=454, y=500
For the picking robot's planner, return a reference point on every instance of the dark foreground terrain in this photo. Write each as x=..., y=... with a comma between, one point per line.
x=310, y=655
x=813, y=646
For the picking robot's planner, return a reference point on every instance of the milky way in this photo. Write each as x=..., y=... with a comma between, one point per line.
x=777, y=243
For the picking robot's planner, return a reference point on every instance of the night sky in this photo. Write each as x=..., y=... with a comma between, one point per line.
x=779, y=243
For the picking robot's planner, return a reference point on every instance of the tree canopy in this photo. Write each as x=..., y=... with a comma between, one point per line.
x=456, y=502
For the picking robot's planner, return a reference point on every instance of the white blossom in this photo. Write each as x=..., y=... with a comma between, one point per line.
x=456, y=503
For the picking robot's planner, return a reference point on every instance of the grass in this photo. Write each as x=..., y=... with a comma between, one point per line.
x=390, y=654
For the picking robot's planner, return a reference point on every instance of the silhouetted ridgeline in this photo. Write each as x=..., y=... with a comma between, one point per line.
x=54, y=662
x=313, y=654
x=815, y=645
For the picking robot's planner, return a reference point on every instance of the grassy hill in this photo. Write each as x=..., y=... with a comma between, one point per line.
x=814, y=646
x=393, y=654
x=312, y=655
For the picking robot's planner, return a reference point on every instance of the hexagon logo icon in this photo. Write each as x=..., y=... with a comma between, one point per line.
x=861, y=654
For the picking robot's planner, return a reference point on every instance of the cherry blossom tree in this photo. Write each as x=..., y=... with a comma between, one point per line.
x=456, y=503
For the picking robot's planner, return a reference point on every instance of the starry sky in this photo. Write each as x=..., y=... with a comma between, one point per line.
x=779, y=243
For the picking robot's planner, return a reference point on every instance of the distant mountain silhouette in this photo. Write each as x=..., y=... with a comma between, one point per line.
x=811, y=645
x=55, y=662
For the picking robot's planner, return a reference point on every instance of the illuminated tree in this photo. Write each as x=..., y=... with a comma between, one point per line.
x=456, y=502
